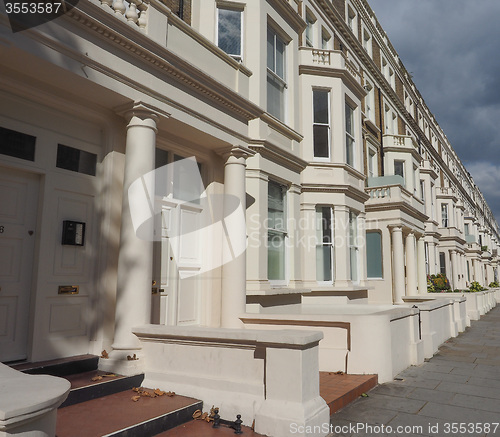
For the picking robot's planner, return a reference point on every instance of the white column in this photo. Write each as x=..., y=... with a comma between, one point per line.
x=411, y=265
x=477, y=271
x=341, y=239
x=422, y=277
x=135, y=259
x=398, y=268
x=454, y=268
x=308, y=236
x=432, y=257
x=233, y=293
x=362, y=249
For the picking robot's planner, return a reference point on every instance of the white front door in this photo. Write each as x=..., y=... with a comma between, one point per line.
x=18, y=211
x=177, y=263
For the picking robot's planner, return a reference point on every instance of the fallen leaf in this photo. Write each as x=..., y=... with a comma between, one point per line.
x=104, y=354
x=197, y=414
x=170, y=393
x=364, y=395
x=158, y=392
x=135, y=398
x=97, y=378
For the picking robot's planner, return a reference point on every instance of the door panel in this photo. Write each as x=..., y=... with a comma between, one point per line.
x=18, y=209
x=177, y=262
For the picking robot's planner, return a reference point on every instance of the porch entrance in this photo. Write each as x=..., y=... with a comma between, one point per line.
x=18, y=214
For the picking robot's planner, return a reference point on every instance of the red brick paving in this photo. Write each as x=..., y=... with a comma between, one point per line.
x=339, y=390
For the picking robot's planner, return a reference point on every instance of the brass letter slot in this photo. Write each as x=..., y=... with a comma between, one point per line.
x=154, y=290
x=68, y=289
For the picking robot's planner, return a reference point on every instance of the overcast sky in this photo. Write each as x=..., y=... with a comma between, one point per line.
x=451, y=48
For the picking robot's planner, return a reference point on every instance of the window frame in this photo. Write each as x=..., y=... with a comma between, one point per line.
x=235, y=8
x=381, y=277
x=445, y=219
x=328, y=125
x=322, y=243
x=282, y=233
x=350, y=135
x=273, y=75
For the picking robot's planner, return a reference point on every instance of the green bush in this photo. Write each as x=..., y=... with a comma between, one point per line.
x=494, y=284
x=475, y=286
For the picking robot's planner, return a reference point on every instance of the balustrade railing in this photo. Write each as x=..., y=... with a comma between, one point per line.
x=133, y=11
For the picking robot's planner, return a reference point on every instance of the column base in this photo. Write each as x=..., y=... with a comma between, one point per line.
x=123, y=362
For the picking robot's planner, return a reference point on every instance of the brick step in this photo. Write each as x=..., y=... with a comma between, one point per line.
x=118, y=415
x=339, y=390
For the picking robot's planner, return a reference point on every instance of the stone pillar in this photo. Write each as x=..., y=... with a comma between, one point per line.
x=135, y=259
x=422, y=277
x=398, y=268
x=454, y=268
x=341, y=239
x=432, y=257
x=411, y=265
x=308, y=234
x=233, y=293
x=477, y=271
x=362, y=274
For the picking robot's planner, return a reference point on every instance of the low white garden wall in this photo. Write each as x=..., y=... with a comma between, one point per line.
x=358, y=339
x=271, y=377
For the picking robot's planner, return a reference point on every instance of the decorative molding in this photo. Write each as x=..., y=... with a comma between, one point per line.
x=278, y=155
x=289, y=14
x=137, y=44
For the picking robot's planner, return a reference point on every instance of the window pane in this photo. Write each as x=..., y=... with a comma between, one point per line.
x=276, y=206
x=270, y=49
x=17, y=144
x=374, y=254
x=276, y=257
x=349, y=150
x=230, y=31
x=275, y=97
x=349, y=119
x=321, y=148
x=76, y=160
x=399, y=168
x=320, y=105
x=280, y=58
x=324, y=263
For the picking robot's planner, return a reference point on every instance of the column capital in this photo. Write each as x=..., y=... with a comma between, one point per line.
x=396, y=228
x=235, y=151
x=141, y=111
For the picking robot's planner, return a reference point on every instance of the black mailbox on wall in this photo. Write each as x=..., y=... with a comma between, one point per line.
x=73, y=233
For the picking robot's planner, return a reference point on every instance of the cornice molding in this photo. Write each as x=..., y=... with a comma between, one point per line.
x=278, y=155
x=346, y=77
x=348, y=190
x=136, y=44
x=291, y=16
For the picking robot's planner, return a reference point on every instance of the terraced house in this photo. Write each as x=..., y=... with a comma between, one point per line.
x=227, y=197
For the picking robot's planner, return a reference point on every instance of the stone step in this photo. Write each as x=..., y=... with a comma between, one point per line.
x=95, y=384
x=118, y=415
x=59, y=367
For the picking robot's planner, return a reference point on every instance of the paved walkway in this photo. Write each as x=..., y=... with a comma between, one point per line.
x=455, y=393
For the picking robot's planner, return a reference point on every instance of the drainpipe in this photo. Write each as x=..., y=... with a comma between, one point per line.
x=181, y=9
x=381, y=133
